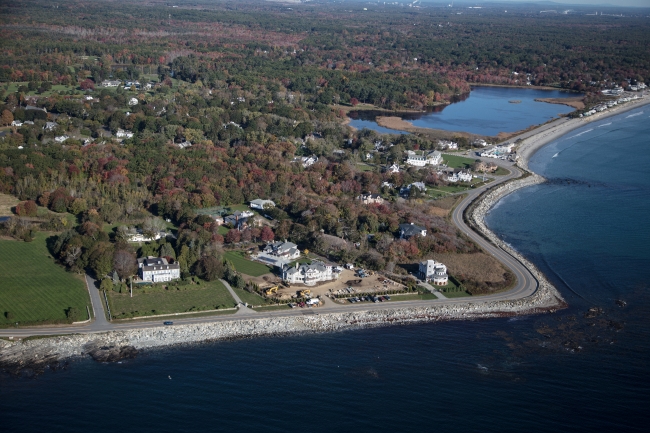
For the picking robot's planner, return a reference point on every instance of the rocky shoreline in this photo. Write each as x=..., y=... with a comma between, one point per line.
x=37, y=355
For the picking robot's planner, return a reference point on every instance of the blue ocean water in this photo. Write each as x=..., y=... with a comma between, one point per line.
x=587, y=229
x=487, y=111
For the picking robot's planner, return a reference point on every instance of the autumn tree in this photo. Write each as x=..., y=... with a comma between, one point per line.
x=7, y=117
x=124, y=263
x=267, y=234
x=209, y=268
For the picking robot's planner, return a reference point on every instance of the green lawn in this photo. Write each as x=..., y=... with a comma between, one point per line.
x=207, y=296
x=245, y=266
x=501, y=171
x=273, y=308
x=365, y=167
x=33, y=288
x=455, y=161
x=455, y=294
x=250, y=298
x=223, y=230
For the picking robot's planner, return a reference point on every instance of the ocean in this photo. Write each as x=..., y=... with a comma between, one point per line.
x=575, y=370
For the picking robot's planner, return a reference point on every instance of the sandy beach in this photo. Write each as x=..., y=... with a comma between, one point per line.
x=534, y=140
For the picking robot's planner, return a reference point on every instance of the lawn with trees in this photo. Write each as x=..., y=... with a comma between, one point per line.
x=151, y=301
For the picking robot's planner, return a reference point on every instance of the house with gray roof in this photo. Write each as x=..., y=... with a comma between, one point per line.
x=309, y=274
x=285, y=250
x=157, y=269
x=407, y=231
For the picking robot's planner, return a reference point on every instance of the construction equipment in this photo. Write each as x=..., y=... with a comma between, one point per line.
x=303, y=293
x=271, y=290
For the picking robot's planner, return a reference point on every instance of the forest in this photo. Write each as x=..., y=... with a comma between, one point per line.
x=247, y=88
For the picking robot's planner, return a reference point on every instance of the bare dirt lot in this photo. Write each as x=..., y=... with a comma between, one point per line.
x=346, y=279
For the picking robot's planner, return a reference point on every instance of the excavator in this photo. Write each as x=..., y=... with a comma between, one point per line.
x=304, y=293
x=271, y=291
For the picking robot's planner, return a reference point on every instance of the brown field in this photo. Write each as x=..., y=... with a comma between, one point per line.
x=6, y=203
x=477, y=266
x=571, y=102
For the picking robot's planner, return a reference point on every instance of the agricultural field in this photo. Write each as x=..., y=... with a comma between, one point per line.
x=34, y=288
x=207, y=296
x=245, y=266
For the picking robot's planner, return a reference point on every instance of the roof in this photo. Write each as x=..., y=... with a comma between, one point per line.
x=411, y=229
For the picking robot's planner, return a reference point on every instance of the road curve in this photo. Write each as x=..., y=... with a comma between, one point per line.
x=526, y=285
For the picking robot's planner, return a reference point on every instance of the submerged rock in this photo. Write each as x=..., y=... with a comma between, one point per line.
x=111, y=353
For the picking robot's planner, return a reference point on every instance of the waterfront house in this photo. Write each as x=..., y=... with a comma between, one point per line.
x=434, y=272
x=157, y=269
x=309, y=274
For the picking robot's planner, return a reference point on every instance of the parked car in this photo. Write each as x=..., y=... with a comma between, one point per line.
x=168, y=322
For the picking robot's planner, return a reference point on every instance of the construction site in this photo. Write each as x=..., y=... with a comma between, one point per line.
x=349, y=283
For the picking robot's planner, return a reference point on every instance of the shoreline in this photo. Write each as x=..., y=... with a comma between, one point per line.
x=49, y=351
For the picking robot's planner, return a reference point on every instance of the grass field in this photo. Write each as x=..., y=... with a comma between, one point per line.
x=365, y=167
x=33, y=288
x=246, y=266
x=272, y=308
x=208, y=296
x=455, y=161
x=250, y=298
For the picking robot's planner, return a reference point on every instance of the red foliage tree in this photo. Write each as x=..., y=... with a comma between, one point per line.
x=87, y=84
x=233, y=236
x=27, y=208
x=267, y=234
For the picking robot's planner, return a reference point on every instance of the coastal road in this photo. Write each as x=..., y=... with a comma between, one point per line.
x=526, y=285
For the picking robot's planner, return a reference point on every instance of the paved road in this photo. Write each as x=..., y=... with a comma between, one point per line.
x=242, y=308
x=97, y=302
x=526, y=285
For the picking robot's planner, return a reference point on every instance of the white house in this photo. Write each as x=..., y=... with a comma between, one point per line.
x=61, y=138
x=110, y=83
x=461, y=176
x=261, y=204
x=407, y=231
x=121, y=133
x=184, y=144
x=393, y=168
x=308, y=161
x=284, y=250
x=156, y=269
x=446, y=144
x=50, y=126
x=309, y=275
x=138, y=236
x=407, y=189
x=420, y=160
x=16, y=123
x=133, y=101
x=435, y=272
x=370, y=199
